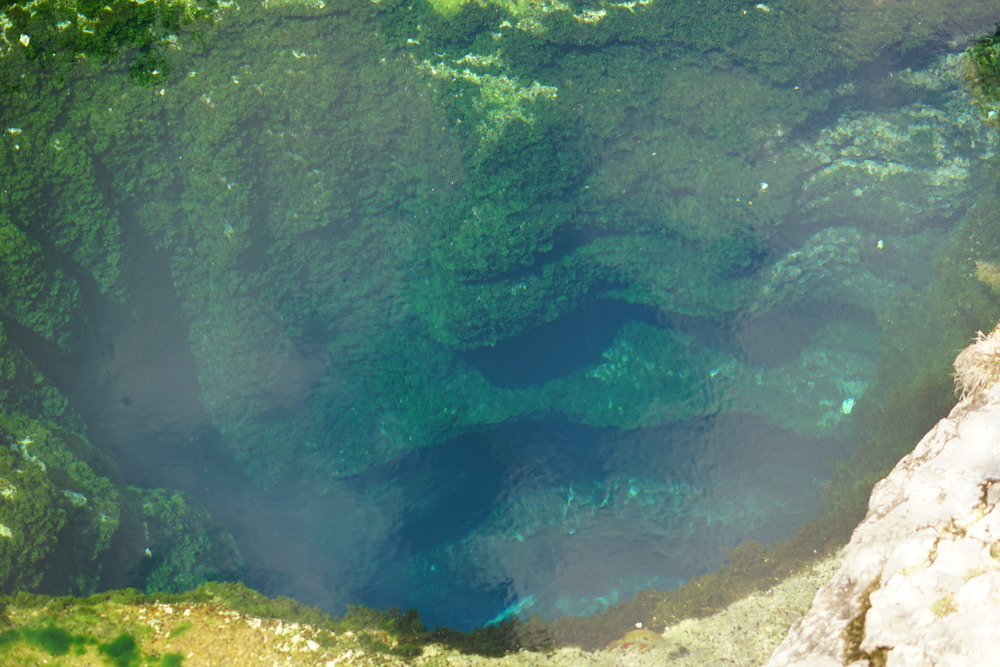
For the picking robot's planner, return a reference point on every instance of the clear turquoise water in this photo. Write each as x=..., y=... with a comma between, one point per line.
x=486, y=320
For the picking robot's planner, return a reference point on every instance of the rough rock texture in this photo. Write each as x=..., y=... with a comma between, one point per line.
x=919, y=582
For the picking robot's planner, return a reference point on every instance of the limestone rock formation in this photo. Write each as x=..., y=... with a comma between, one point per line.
x=918, y=582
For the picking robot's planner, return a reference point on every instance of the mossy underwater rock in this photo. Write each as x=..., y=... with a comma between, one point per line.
x=57, y=515
x=23, y=389
x=896, y=171
x=35, y=294
x=983, y=74
x=186, y=546
x=988, y=273
x=30, y=519
x=66, y=528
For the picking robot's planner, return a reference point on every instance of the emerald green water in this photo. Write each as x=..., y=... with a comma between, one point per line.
x=515, y=311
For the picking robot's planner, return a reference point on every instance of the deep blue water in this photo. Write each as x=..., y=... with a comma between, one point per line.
x=558, y=348
x=581, y=566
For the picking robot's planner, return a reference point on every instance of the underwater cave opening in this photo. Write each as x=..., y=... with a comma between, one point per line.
x=558, y=348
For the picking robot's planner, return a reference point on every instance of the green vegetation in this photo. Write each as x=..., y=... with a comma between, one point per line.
x=945, y=606
x=31, y=518
x=122, y=651
x=24, y=390
x=53, y=640
x=54, y=208
x=179, y=630
x=35, y=294
x=150, y=68
x=984, y=59
x=60, y=32
x=65, y=621
x=187, y=548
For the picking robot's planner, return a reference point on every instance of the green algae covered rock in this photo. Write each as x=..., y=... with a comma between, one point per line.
x=66, y=528
x=58, y=32
x=34, y=293
x=31, y=517
x=59, y=515
x=186, y=547
x=895, y=171
x=984, y=56
x=50, y=184
x=23, y=389
x=983, y=74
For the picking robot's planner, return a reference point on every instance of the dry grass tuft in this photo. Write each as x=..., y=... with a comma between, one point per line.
x=977, y=367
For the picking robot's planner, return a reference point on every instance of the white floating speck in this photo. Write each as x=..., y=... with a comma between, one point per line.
x=25, y=40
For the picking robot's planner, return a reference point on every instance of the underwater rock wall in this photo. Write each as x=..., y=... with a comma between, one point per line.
x=355, y=208
x=915, y=586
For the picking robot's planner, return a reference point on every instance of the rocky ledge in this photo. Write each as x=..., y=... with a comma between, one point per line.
x=919, y=582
